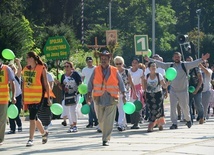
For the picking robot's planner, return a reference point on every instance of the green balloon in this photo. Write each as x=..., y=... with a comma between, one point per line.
x=8, y=54
x=171, y=73
x=82, y=88
x=138, y=105
x=56, y=109
x=191, y=89
x=129, y=108
x=12, y=111
x=148, y=54
x=81, y=99
x=59, y=76
x=85, y=109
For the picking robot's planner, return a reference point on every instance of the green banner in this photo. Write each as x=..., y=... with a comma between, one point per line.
x=56, y=48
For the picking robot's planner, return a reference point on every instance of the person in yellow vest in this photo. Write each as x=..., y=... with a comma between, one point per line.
x=106, y=83
x=6, y=77
x=35, y=84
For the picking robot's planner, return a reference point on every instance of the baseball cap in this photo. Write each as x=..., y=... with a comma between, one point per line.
x=88, y=59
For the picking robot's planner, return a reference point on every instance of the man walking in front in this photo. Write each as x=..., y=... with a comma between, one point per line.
x=106, y=83
x=179, y=86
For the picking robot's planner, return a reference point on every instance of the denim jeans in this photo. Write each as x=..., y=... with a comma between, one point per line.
x=92, y=114
x=197, y=100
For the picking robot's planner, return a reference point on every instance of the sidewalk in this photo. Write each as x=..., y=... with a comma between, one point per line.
x=199, y=139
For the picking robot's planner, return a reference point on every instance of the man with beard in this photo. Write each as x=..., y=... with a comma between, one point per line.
x=179, y=86
x=106, y=83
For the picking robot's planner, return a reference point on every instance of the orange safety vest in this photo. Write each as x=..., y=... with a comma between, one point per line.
x=101, y=84
x=33, y=85
x=4, y=88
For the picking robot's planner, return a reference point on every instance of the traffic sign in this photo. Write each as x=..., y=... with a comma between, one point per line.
x=141, y=44
x=56, y=48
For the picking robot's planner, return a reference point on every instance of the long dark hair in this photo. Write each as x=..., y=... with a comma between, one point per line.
x=35, y=57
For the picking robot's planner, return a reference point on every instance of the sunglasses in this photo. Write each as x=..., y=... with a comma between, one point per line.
x=117, y=64
x=66, y=66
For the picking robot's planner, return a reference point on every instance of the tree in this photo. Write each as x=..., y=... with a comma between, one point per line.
x=16, y=34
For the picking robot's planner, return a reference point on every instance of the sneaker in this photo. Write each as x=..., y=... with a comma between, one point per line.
x=70, y=129
x=135, y=127
x=74, y=129
x=201, y=121
x=64, y=123
x=45, y=138
x=174, y=126
x=89, y=126
x=105, y=143
x=11, y=132
x=189, y=124
x=96, y=123
x=121, y=128
x=20, y=129
x=99, y=130
x=160, y=128
x=29, y=143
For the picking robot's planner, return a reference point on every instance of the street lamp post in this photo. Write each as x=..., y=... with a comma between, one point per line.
x=198, y=12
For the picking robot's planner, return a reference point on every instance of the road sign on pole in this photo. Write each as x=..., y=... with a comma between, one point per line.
x=141, y=44
x=56, y=48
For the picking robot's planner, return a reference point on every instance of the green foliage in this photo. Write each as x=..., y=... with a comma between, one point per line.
x=16, y=34
x=193, y=36
x=96, y=30
x=208, y=46
x=42, y=33
x=27, y=24
x=166, y=20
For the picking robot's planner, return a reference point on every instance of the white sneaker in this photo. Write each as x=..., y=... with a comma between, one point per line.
x=70, y=129
x=29, y=143
x=74, y=129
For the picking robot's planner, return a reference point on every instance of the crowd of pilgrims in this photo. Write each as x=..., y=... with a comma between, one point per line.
x=143, y=82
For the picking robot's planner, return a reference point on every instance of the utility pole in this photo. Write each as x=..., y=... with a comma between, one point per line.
x=198, y=12
x=82, y=22
x=153, y=27
x=110, y=15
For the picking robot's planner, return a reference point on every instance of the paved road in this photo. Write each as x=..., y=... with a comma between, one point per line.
x=197, y=140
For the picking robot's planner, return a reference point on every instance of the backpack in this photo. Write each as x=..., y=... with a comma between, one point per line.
x=147, y=76
x=193, y=79
x=20, y=82
x=183, y=67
